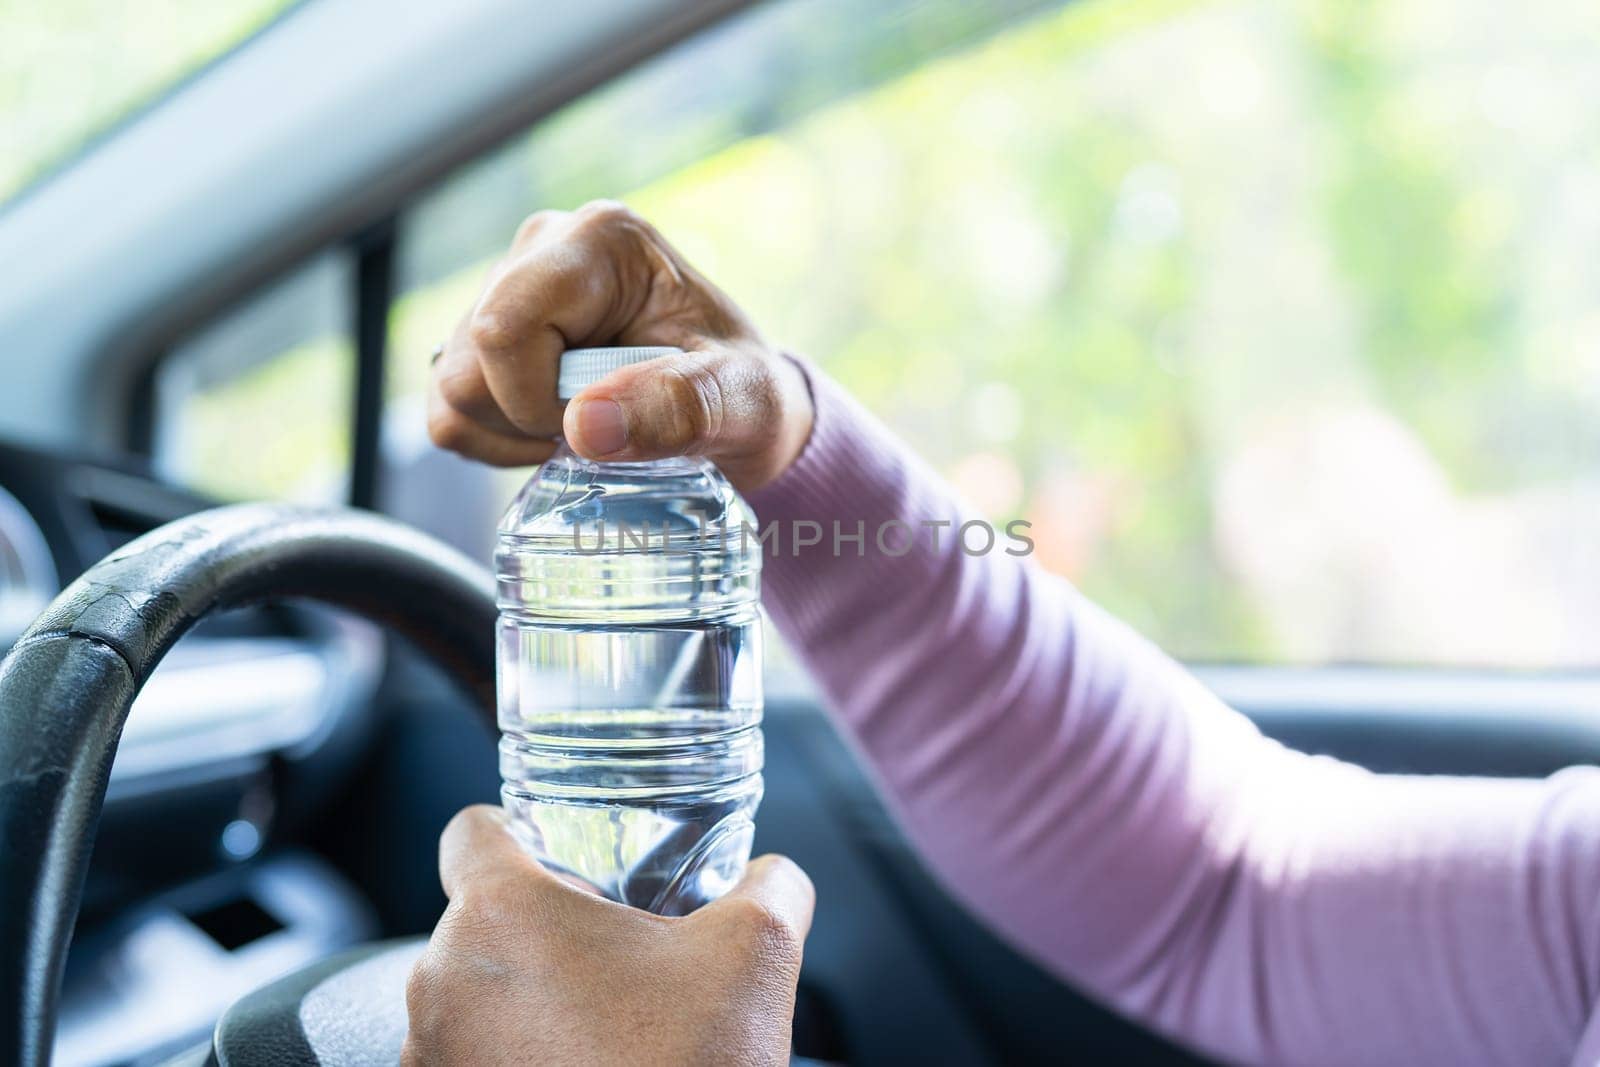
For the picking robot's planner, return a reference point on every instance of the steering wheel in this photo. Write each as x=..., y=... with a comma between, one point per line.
x=67, y=685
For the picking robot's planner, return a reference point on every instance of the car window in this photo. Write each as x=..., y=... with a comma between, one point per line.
x=260, y=403
x=71, y=69
x=1278, y=321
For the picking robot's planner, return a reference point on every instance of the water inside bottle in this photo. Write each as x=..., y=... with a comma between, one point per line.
x=630, y=678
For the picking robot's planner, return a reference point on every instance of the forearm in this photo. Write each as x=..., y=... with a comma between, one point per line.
x=1041, y=755
x=1096, y=805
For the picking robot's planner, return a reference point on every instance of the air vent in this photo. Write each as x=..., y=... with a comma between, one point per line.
x=125, y=506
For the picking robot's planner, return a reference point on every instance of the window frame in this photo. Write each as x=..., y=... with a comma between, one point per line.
x=371, y=253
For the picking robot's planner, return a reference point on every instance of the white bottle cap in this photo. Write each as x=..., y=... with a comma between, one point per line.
x=585, y=366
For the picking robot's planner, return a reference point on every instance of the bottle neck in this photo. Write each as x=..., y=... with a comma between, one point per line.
x=670, y=465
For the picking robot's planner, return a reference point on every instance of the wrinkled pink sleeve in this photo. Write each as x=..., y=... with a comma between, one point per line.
x=1109, y=816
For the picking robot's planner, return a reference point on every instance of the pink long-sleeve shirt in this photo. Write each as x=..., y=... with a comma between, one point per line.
x=1102, y=810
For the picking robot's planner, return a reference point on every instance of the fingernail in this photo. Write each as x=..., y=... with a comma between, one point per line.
x=602, y=426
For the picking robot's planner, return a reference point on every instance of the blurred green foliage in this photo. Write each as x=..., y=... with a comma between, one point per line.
x=1279, y=319
x=280, y=430
x=1090, y=264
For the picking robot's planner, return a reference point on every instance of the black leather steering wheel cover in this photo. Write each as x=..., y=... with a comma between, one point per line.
x=67, y=685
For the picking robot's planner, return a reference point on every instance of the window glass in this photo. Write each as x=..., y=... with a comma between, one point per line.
x=1280, y=322
x=72, y=68
x=259, y=404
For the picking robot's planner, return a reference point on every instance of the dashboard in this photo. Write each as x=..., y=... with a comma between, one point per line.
x=28, y=576
x=195, y=893
x=243, y=688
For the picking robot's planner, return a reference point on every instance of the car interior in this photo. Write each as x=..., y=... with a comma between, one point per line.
x=227, y=295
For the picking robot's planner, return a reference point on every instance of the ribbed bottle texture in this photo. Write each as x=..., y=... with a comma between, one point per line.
x=630, y=677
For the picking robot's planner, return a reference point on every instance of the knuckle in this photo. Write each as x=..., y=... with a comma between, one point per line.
x=764, y=395
x=428, y=997
x=415, y=1052
x=464, y=392
x=433, y=1003
x=767, y=935
x=492, y=332
x=696, y=401
x=459, y=828
x=535, y=222
x=422, y=987
x=606, y=212
x=448, y=430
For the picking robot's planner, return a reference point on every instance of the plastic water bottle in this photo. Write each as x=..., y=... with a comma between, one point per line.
x=629, y=669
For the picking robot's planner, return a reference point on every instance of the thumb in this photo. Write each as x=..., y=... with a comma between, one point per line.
x=479, y=846
x=778, y=888
x=704, y=403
